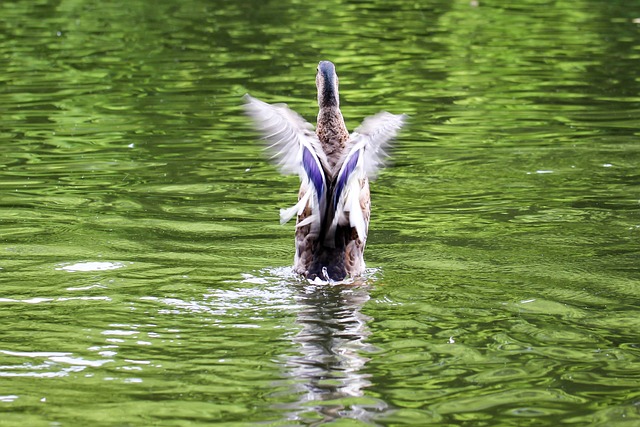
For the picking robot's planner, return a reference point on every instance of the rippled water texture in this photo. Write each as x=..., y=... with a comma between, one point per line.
x=144, y=276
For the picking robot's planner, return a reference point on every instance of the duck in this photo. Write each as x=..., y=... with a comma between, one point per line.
x=335, y=168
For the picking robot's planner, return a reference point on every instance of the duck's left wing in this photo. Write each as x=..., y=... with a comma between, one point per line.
x=365, y=158
x=296, y=150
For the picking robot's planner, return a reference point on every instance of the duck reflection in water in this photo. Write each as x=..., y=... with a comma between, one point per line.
x=332, y=343
x=335, y=167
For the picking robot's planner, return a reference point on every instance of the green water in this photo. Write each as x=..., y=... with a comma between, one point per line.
x=144, y=276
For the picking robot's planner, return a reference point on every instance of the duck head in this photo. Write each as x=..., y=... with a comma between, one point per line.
x=327, y=84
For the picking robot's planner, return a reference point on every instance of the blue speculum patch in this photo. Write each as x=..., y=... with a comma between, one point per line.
x=344, y=177
x=315, y=174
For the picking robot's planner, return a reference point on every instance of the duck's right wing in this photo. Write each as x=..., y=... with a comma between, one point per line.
x=364, y=159
x=296, y=150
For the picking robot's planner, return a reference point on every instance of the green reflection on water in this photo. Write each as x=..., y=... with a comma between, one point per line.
x=141, y=251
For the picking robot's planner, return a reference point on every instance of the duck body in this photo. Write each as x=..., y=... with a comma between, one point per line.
x=333, y=208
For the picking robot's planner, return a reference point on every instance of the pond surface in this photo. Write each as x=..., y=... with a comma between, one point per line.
x=144, y=276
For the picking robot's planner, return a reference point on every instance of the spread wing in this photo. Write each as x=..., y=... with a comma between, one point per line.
x=364, y=159
x=295, y=149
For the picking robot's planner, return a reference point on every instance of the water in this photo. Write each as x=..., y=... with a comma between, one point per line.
x=145, y=279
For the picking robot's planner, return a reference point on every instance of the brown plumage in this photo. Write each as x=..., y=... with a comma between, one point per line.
x=333, y=208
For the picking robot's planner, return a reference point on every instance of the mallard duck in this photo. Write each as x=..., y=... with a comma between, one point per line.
x=335, y=167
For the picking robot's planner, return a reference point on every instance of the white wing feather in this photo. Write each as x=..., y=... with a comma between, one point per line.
x=376, y=132
x=286, y=131
x=288, y=135
x=367, y=142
